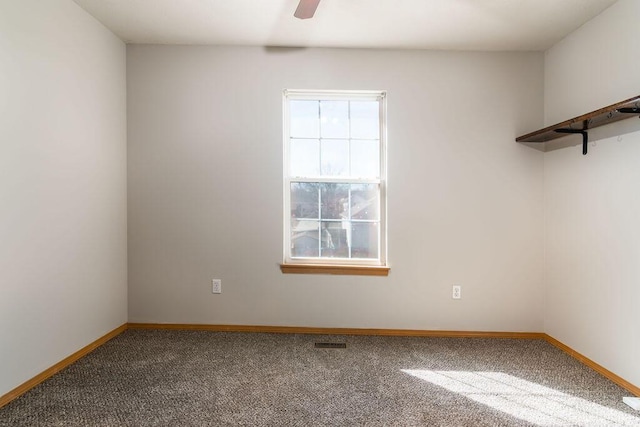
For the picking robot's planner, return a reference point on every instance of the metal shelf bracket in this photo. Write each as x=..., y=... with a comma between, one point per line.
x=585, y=137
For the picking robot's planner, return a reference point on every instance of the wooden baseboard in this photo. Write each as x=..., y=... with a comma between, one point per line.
x=24, y=387
x=593, y=365
x=337, y=331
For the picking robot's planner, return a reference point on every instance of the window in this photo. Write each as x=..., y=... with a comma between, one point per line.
x=334, y=178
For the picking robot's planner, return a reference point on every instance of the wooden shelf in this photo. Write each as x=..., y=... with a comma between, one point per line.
x=619, y=111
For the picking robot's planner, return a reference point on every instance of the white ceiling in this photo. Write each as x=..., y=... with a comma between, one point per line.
x=422, y=24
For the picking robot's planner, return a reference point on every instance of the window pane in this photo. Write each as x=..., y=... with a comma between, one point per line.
x=364, y=240
x=304, y=119
x=304, y=157
x=334, y=200
x=334, y=239
x=335, y=157
x=304, y=200
x=365, y=120
x=334, y=119
x=305, y=238
x=365, y=201
x=365, y=159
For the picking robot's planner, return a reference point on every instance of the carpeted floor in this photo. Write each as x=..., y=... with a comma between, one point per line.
x=198, y=378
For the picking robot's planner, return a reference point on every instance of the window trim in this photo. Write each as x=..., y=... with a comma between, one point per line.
x=349, y=270
x=360, y=266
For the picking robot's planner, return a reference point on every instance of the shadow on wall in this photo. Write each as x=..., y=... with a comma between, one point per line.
x=611, y=133
x=283, y=50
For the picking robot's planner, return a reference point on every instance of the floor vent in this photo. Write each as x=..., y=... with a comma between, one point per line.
x=331, y=345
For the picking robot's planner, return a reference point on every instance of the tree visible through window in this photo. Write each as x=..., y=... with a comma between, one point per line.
x=334, y=177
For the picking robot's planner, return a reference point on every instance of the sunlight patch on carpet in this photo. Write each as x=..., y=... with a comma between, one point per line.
x=525, y=400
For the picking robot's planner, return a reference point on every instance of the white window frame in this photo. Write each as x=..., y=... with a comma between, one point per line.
x=380, y=97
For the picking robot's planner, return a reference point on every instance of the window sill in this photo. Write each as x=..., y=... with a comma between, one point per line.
x=350, y=270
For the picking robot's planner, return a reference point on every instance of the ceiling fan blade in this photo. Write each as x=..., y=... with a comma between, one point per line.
x=306, y=9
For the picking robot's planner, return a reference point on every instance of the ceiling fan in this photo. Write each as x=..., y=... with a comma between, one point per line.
x=306, y=9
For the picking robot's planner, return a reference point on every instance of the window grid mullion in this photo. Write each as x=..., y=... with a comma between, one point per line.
x=336, y=180
x=320, y=171
x=349, y=225
x=363, y=221
x=320, y=137
x=334, y=138
x=349, y=135
x=319, y=222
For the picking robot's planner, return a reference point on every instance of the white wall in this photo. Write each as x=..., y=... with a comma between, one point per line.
x=592, y=203
x=205, y=188
x=62, y=185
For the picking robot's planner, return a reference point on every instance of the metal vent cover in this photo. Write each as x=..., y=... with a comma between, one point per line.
x=330, y=345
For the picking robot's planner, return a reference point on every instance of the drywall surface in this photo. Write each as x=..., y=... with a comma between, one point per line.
x=206, y=189
x=594, y=66
x=592, y=203
x=62, y=185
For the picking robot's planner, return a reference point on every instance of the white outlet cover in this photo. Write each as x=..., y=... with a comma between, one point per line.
x=457, y=292
x=216, y=286
x=634, y=402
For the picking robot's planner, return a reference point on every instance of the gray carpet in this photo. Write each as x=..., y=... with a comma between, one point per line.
x=198, y=378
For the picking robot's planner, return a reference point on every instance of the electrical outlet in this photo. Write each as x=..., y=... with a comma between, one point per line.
x=216, y=286
x=457, y=292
